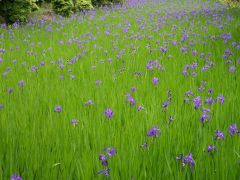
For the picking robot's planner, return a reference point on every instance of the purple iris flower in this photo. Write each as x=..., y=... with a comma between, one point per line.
x=74, y=122
x=21, y=83
x=211, y=148
x=228, y=61
x=188, y=160
x=144, y=145
x=34, y=68
x=165, y=105
x=233, y=129
x=150, y=67
x=179, y=157
x=219, y=134
x=209, y=101
x=16, y=177
x=184, y=50
x=108, y=113
x=194, y=74
x=184, y=37
x=139, y=108
x=194, y=53
x=232, y=69
x=221, y=99
x=104, y=172
x=154, y=132
x=9, y=90
x=61, y=66
x=174, y=43
x=133, y=89
x=58, y=108
x=131, y=100
x=111, y=152
x=42, y=63
x=204, y=118
x=228, y=52
x=194, y=65
x=197, y=102
x=98, y=82
x=89, y=102
x=164, y=49
x=188, y=93
x=1, y=106
x=103, y=158
x=2, y=50
x=155, y=80
x=201, y=88
x=210, y=91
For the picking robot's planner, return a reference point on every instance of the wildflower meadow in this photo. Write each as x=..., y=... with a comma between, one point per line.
x=148, y=89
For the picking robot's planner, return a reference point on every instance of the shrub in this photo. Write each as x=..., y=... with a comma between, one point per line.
x=83, y=5
x=34, y=6
x=106, y=2
x=232, y=3
x=15, y=10
x=62, y=7
x=40, y=2
x=97, y=2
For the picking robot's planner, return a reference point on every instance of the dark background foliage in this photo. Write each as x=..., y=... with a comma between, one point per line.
x=20, y=10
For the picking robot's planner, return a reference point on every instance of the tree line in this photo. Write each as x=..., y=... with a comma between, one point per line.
x=19, y=10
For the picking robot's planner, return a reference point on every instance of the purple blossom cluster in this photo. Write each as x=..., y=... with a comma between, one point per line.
x=110, y=152
x=131, y=100
x=108, y=113
x=151, y=65
x=186, y=160
x=154, y=132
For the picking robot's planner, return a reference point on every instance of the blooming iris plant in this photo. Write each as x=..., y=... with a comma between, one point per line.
x=211, y=148
x=186, y=160
x=219, y=134
x=16, y=177
x=154, y=132
x=197, y=102
x=58, y=108
x=110, y=152
x=131, y=100
x=155, y=80
x=108, y=113
x=233, y=129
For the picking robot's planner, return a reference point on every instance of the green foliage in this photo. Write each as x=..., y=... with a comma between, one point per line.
x=34, y=6
x=83, y=5
x=66, y=7
x=62, y=7
x=232, y=3
x=16, y=10
x=39, y=2
x=106, y=2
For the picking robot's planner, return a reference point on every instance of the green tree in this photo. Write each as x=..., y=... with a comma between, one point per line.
x=62, y=7
x=16, y=10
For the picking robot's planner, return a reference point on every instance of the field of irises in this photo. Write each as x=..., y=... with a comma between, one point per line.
x=148, y=90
